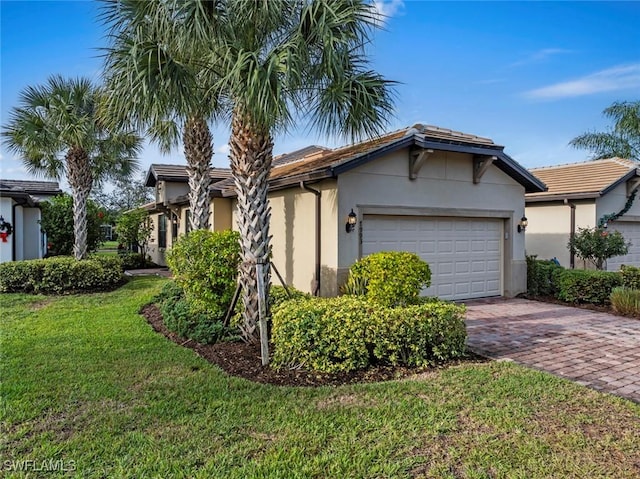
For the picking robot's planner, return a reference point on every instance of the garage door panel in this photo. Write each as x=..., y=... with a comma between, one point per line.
x=631, y=232
x=464, y=253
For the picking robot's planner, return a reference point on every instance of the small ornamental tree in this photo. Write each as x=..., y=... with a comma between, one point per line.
x=57, y=223
x=134, y=229
x=598, y=245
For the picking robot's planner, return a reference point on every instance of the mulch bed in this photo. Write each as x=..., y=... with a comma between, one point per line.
x=243, y=360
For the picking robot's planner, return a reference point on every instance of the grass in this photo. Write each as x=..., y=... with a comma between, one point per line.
x=87, y=383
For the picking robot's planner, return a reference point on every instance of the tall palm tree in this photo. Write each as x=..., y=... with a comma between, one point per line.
x=278, y=62
x=158, y=84
x=622, y=141
x=57, y=133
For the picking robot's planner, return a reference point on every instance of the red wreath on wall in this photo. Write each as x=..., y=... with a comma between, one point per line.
x=5, y=229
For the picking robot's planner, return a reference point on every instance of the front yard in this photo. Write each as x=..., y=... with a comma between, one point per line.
x=88, y=387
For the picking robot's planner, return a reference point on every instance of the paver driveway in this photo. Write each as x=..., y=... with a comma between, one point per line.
x=599, y=350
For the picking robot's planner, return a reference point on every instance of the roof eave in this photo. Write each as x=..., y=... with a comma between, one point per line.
x=623, y=179
x=562, y=196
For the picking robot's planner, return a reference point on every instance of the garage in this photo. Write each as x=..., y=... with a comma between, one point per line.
x=464, y=254
x=631, y=232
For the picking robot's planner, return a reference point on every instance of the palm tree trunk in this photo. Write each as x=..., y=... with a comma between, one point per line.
x=198, y=150
x=80, y=180
x=251, y=151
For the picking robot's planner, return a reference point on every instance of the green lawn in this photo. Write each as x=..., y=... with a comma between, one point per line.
x=87, y=383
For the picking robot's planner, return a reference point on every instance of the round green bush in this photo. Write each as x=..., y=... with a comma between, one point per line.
x=390, y=278
x=205, y=265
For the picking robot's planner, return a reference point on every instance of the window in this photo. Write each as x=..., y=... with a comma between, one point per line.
x=162, y=231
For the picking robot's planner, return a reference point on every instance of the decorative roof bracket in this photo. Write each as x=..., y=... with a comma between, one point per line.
x=480, y=165
x=417, y=158
x=632, y=185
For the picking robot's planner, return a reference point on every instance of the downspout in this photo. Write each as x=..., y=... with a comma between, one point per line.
x=13, y=234
x=572, y=232
x=318, y=233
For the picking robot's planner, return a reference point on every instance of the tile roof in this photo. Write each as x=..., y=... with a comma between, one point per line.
x=322, y=162
x=160, y=171
x=31, y=186
x=588, y=179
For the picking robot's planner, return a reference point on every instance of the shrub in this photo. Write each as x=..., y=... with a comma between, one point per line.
x=60, y=274
x=626, y=300
x=132, y=260
x=180, y=318
x=542, y=277
x=348, y=333
x=630, y=277
x=278, y=296
x=205, y=265
x=597, y=245
x=134, y=229
x=57, y=222
x=390, y=278
x=587, y=286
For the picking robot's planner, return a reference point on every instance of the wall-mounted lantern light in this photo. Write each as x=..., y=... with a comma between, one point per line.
x=522, y=226
x=352, y=220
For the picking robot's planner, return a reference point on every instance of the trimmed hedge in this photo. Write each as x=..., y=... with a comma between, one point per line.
x=60, y=274
x=348, y=333
x=205, y=265
x=630, y=277
x=587, y=286
x=389, y=278
x=542, y=277
x=132, y=260
x=179, y=317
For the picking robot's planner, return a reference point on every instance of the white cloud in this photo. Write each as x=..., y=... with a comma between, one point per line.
x=540, y=56
x=621, y=77
x=385, y=9
x=223, y=149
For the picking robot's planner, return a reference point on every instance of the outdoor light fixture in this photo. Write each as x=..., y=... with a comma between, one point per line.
x=352, y=220
x=522, y=226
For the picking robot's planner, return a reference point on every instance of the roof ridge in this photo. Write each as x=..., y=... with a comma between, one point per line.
x=615, y=159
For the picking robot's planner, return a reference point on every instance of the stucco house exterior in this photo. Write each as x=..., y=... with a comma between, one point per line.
x=169, y=211
x=583, y=195
x=453, y=198
x=19, y=206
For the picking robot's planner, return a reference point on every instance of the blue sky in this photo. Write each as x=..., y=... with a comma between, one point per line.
x=529, y=75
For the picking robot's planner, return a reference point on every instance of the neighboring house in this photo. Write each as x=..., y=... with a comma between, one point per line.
x=454, y=199
x=170, y=211
x=580, y=195
x=19, y=206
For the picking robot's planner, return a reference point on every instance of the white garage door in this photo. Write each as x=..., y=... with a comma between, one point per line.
x=464, y=254
x=631, y=232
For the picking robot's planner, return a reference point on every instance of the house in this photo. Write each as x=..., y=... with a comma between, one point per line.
x=453, y=198
x=19, y=208
x=584, y=195
x=170, y=212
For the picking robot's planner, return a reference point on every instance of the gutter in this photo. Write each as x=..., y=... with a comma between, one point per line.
x=318, y=194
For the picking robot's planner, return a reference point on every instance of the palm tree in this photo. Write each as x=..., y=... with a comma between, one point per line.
x=622, y=141
x=277, y=62
x=56, y=132
x=270, y=64
x=157, y=84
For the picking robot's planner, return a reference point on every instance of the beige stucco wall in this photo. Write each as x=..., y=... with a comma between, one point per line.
x=293, y=230
x=550, y=226
x=444, y=187
x=614, y=201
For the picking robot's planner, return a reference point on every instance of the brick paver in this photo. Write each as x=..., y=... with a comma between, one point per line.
x=598, y=350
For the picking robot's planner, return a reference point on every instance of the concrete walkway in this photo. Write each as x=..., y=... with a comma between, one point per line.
x=598, y=350
x=149, y=272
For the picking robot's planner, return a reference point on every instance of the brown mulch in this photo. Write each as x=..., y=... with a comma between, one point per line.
x=243, y=360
